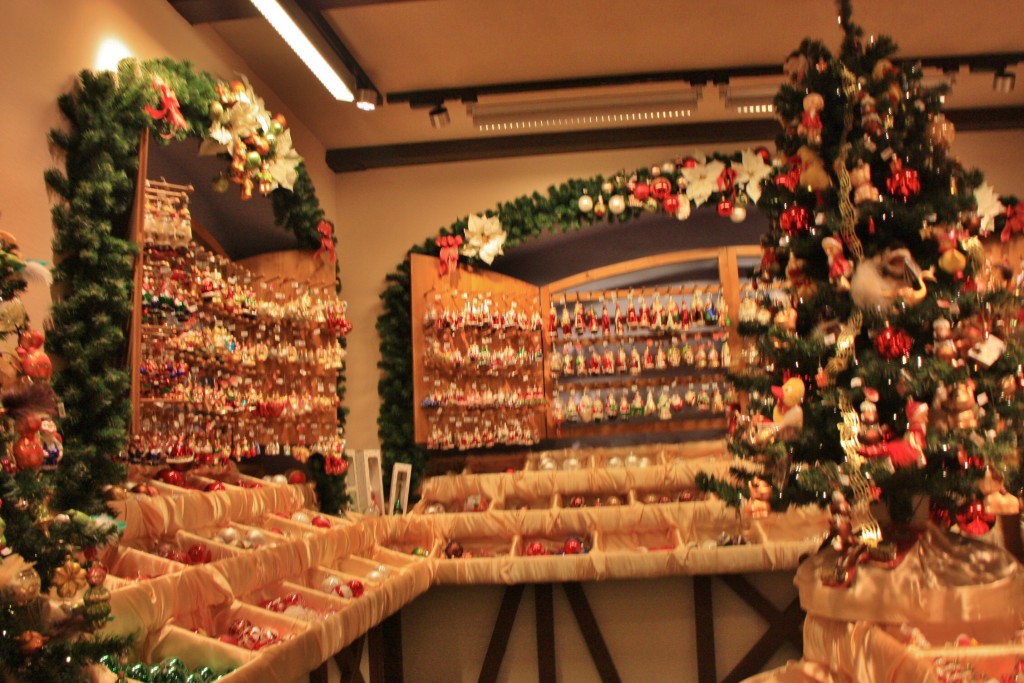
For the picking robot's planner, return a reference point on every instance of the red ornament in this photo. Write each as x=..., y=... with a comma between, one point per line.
x=794, y=219
x=172, y=477
x=973, y=520
x=145, y=489
x=725, y=208
x=572, y=546
x=199, y=553
x=535, y=548
x=215, y=486
x=28, y=452
x=904, y=183
x=688, y=162
x=642, y=191
x=320, y=522
x=726, y=179
x=34, y=361
x=670, y=204
x=892, y=343
x=661, y=187
x=764, y=153
x=296, y=477
x=250, y=484
x=357, y=587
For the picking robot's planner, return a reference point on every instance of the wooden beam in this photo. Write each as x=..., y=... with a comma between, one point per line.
x=391, y=664
x=348, y=661
x=546, y=671
x=208, y=11
x=704, y=618
x=591, y=633
x=350, y=159
x=499, y=637
x=780, y=622
x=753, y=662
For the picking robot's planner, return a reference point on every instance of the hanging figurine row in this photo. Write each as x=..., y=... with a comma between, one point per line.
x=620, y=358
x=657, y=402
x=483, y=370
x=649, y=311
x=231, y=364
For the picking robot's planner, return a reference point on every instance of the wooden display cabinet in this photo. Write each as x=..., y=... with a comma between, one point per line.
x=675, y=367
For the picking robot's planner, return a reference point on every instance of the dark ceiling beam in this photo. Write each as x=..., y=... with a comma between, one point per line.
x=347, y=160
x=334, y=42
x=209, y=11
x=716, y=75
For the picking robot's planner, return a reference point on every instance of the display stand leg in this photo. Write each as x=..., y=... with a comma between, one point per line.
x=386, y=665
x=348, y=661
x=591, y=633
x=704, y=615
x=783, y=626
x=545, y=632
x=500, y=635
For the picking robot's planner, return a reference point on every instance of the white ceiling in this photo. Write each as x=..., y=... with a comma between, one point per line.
x=415, y=45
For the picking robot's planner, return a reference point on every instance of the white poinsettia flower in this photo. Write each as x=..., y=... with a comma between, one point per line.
x=283, y=166
x=750, y=171
x=989, y=207
x=484, y=238
x=702, y=180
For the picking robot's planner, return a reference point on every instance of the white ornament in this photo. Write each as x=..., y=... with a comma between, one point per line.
x=607, y=187
x=435, y=509
x=614, y=462
x=548, y=464
x=585, y=203
x=655, y=171
x=255, y=538
x=616, y=204
x=668, y=168
x=228, y=535
x=683, y=212
x=571, y=463
x=375, y=576
x=301, y=517
x=632, y=460
x=644, y=462
x=345, y=591
x=279, y=479
x=739, y=214
x=330, y=583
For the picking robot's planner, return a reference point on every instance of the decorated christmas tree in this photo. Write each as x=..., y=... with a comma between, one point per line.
x=883, y=356
x=52, y=597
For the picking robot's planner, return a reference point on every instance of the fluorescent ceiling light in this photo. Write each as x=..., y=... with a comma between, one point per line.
x=307, y=52
x=581, y=111
x=755, y=100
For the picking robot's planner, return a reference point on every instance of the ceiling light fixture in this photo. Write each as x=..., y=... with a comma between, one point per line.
x=748, y=100
x=439, y=117
x=367, y=99
x=304, y=48
x=660, y=107
x=1004, y=81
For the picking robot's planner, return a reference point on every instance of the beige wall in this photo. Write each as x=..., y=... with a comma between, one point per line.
x=389, y=210
x=43, y=46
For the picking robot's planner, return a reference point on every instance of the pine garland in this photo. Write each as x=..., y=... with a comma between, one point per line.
x=91, y=316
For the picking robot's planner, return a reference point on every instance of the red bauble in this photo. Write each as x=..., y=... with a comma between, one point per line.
x=172, y=477
x=725, y=208
x=892, y=343
x=661, y=187
x=688, y=162
x=250, y=484
x=904, y=183
x=764, y=153
x=199, y=553
x=535, y=548
x=642, y=191
x=453, y=550
x=357, y=587
x=572, y=546
x=28, y=452
x=296, y=477
x=670, y=203
x=320, y=522
x=145, y=489
x=794, y=219
x=215, y=486
x=973, y=520
x=577, y=502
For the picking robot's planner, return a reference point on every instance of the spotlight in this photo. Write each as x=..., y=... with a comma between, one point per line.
x=439, y=117
x=367, y=99
x=1004, y=81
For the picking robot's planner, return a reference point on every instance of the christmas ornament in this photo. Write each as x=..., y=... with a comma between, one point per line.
x=973, y=520
x=172, y=477
x=453, y=550
x=572, y=546
x=30, y=642
x=24, y=585
x=69, y=578
x=892, y=343
x=96, y=600
x=725, y=208
x=661, y=188
x=941, y=132
x=641, y=191
x=585, y=203
x=893, y=274
x=671, y=204
x=860, y=179
x=788, y=414
x=903, y=183
x=357, y=588
x=684, y=209
x=616, y=204
x=794, y=219
x=535, y=549
x=215, y=486
x=320, y=522
x=739, y=214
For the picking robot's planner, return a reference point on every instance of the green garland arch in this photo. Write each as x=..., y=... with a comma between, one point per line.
x=105, y=113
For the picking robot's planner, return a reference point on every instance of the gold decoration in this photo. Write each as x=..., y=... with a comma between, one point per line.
x=69, y=578
x=844, y=347
x=863, y=521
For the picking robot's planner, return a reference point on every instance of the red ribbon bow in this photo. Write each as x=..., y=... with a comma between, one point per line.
x=449, y=253
x=1014, y=221
x=726, y=179
x=326, y=230
x=169, y=108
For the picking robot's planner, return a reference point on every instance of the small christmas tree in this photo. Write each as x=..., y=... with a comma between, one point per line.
x=44, y=553
x=883, y=359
